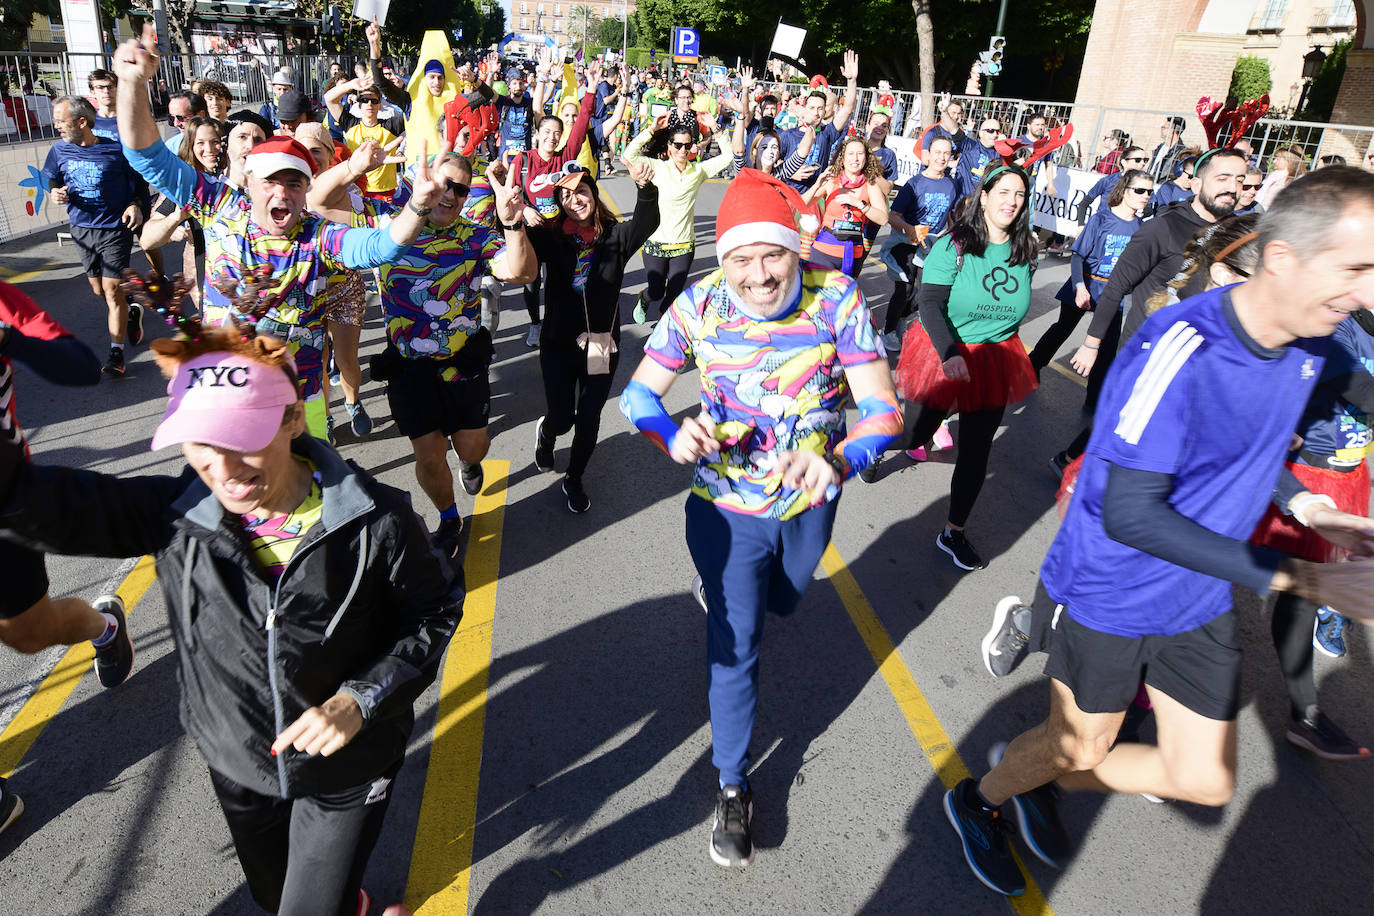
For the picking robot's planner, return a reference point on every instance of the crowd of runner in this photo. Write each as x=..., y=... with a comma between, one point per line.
x=329, y=604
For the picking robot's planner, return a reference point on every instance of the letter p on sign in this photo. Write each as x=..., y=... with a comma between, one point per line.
x=686, y=46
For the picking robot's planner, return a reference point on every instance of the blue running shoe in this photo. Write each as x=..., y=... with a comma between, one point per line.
x=1328, y=632
x=984, y=836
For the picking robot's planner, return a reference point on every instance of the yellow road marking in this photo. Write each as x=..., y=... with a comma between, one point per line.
x=935, y=743
x=16, y=276
x=1069, y=374
x=441, y=862
x=35, y=715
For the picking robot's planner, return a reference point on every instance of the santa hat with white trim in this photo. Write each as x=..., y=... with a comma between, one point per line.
x=759, y=208
x=279, y=154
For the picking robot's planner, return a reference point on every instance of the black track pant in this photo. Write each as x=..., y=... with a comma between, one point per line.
x=667, y=278
x=574, y=400
x=976, y=431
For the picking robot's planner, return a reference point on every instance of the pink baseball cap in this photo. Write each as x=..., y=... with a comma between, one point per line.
x=225, y=400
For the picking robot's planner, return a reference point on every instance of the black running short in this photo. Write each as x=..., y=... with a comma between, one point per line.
x=1199, y=668
x=422, y=403
x=104, y=252
x=26, y=579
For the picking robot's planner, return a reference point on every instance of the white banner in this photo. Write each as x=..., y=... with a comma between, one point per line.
x=1066, y=210
x=788, y=41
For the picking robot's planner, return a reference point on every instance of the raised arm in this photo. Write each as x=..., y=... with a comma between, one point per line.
x=850, y=72
x=333, y=99
x=517, y=263
x=390, y=91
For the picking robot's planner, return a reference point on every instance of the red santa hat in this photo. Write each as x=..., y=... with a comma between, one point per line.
x=279, y=154
x=759, y=208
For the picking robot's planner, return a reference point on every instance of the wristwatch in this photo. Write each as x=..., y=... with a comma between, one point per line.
x=410, y=205
x=836, y=462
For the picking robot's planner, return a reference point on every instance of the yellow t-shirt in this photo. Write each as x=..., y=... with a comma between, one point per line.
x=382, y=179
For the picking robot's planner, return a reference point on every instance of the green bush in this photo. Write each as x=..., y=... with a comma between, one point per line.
x=639, y=57
x=1250, y=79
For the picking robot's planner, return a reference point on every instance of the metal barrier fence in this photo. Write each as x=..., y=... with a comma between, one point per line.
x=30, y=81
x=1093, y=123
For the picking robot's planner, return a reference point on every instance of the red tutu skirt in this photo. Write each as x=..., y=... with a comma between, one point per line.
x=999, y=374
x=1349, y=490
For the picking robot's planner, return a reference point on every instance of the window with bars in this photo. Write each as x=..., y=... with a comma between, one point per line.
x=1270, y=16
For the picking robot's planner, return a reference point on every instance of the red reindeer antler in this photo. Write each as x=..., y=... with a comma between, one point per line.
x=1213, y=117
x=1242, y=118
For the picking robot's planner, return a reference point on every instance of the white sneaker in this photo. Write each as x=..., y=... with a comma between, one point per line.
x=532, y=338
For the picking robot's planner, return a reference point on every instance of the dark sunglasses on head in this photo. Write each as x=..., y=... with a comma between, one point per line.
x=1140, y=190
x=678, y=145
x=368, y=101
x=1250, y=187
x=457, y=187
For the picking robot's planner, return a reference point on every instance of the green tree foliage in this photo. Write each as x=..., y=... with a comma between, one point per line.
x=611, y=32
x=16, y=17
x=1250, y=79
x=884, y=34
x=1321, y=97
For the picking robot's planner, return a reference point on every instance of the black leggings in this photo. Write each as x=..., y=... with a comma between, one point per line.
x=903, y=301
x=976, y=431
x=667, y=279
x=574, y=400
x=1291, y=629
x=1055, y=335
x=532, y=297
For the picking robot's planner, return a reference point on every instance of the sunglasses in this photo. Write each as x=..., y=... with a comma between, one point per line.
x=180, y=119
x=1136, y=159
x=457, y=187
x=676, y=145
x=1140, y=190
x=987, y=130
x=1249, y=187
x=363, y=101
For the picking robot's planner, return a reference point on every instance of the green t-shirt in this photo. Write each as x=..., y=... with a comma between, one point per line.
x=987, y=299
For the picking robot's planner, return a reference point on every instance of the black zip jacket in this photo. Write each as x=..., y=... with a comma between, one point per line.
x=363, y=607
x=564, y=318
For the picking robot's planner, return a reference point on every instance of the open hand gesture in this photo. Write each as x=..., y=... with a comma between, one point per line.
x=136, y=60
x=371, y=155
x=746, y=82
x=850, y=69
x=594, y=75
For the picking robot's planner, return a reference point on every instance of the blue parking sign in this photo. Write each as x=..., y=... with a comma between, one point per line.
x=686, y=46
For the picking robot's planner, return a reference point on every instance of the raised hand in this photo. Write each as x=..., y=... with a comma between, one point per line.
x=641, y=172
x=593, y=75
x=746, y=82
x=426, y=184
x=850, y=69
x=510, y=200
x=137, y=60
x=374, y=38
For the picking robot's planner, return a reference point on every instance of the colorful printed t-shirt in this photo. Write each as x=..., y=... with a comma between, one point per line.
x=100, y=183
x=771, y=386
x=273, y=541
x=431, y=294
x=988, y=298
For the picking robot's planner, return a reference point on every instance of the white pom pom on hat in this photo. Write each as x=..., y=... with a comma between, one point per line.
x=759, y=208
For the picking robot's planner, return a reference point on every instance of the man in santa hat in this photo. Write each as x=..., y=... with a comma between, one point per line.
x=779, y=350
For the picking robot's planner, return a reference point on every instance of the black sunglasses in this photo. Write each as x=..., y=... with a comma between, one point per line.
x=366, y=101
x=457, y=187
x=677, y=145
x=987, y=130
x=1136, y=159
x=1140, y=190
x=1250, y=187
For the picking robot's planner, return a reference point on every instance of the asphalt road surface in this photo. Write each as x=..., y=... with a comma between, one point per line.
x=561, y=764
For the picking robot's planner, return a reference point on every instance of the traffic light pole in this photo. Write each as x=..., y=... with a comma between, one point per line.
x=1001, y=23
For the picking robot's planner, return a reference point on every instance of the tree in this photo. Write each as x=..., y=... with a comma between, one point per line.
x=583, y=24
x=612, y=32
x=16, y=18
x=1250, y=79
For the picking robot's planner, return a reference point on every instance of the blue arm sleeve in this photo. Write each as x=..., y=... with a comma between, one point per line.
x=1136, y=512
x=369, y=248
x=642, y=406
x=164, y=171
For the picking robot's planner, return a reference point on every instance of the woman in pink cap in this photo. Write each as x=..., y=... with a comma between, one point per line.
x=307, y=607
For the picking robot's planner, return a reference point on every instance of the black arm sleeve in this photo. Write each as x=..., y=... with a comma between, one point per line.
x=390, y=91
x=644, y=220
x=62, y=360
x=1358, y=389
x=1284, y=491
x=933, y=303
x=1136, y=512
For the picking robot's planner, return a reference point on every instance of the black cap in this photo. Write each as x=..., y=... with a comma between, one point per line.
x=245, y=116
x=292, y=106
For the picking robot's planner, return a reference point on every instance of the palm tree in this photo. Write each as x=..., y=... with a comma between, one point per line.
x=582, y=19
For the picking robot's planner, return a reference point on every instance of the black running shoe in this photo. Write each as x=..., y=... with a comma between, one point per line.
x=959, y=549
x=543, y=448
x=984, y=837
x=732, y=840
x=1059, y=462
x=1006, y=644
x=114, y=660
x=870, y=473
x=578, y=500
x=1037, y=815
x=448, y=536
x=1318, y=734
x=11, y=806
x=114, y=366
x=472, y=476
x=135, y=325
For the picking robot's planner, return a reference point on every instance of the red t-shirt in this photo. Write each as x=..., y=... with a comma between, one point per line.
x=24, y=315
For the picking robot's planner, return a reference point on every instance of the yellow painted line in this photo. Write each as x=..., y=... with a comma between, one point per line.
x=441, y=862
x=35, y=715
x=15, y=276
x=929, y=733
x=1069, y=374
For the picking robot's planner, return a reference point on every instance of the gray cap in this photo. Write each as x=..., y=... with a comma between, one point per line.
x=283, y=78
x=292, y=106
